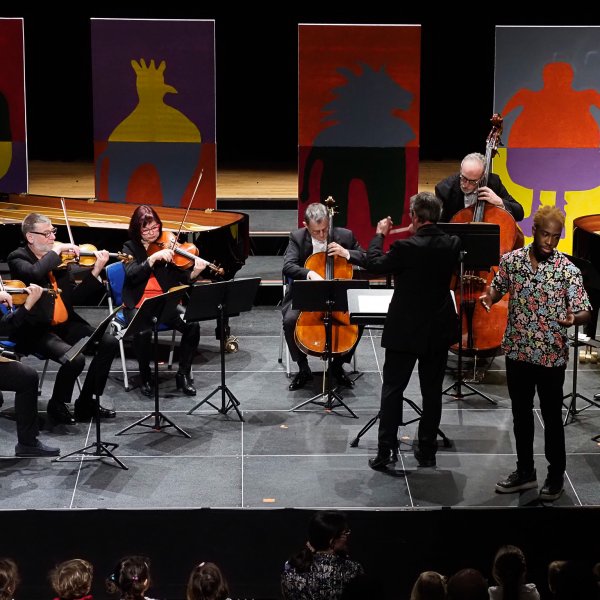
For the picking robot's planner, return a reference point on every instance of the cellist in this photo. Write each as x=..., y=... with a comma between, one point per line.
x=304, y=242
x=462, y=189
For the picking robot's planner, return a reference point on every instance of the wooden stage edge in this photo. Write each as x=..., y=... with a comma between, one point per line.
x=76, y=180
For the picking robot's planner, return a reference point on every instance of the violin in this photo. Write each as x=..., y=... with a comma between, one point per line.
x=18, y=290
x=185, y=253
x=87, y=256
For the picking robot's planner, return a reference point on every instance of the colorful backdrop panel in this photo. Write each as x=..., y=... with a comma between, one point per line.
x=13, y=136
x=547, y=88
x=359, y=121
x=154, y=111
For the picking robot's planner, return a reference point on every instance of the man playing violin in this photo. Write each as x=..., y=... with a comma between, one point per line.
x=23, y=380
x=304, y=242
x=150, y=273
x=52, y=326
x=462, y=189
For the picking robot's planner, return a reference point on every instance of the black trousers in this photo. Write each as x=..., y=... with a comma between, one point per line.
x=56, y=341
x=142, y=342
x=397, y=369
x=523, y=379
x=22, y=379
x=290, y=317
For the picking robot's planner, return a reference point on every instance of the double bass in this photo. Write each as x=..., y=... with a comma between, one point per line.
x=482, y=332
x=310, y=331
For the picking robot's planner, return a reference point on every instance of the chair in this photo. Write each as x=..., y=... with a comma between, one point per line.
x=115, y=278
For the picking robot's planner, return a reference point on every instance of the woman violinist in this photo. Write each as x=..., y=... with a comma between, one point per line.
x=152, y=272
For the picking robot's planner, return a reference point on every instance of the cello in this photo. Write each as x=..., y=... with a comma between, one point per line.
x=482, y=332
x=310, y=334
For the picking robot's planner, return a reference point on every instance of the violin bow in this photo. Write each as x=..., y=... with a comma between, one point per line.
x=187, y=210
x=64, y=208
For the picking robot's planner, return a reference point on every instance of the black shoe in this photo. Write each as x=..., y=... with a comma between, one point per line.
x=425, y=460
x=385, y=456
x=342, y=379
x=147, y=389
x=552, y=490
x=597, y=397
x=37, y=449
x=84, y=411
x=184, y=383
x=302, y=378
x=517, y=481
x=59, y=413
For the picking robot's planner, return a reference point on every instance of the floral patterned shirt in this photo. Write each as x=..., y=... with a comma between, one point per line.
x=537, y=299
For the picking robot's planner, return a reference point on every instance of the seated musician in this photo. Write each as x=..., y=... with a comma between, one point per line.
x=52, y=326
x=304, y=242
x=462, y=189
x=22, y=379
x=151, y=273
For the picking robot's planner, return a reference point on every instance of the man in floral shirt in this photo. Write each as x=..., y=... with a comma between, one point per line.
x=546, y=297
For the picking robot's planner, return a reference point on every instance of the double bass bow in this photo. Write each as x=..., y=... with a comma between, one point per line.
x=310, y=334
x=482, y=332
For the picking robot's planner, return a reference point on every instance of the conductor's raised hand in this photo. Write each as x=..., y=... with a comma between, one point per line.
x=384, y=226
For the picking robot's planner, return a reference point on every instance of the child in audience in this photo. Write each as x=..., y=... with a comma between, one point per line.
x=510, y=571
x=430, y=585
x=72, y=580
x=130, y=579
x=206, y=582
x=9, y=578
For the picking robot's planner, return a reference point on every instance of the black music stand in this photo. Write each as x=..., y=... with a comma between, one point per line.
x=155, y=310
x=220, y=301
x=97, y=449
x=326, y=296
x=591, y=281
x=480, y=251
x=369, y=307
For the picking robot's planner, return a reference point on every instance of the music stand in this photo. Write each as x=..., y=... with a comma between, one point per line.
x=370, y=307
x=591, y=281
x=155, y=310
x=326, y=296
x=97, y=449
x=219, y=301
x=480, y=244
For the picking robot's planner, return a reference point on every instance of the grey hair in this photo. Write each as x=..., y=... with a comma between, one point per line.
x=31, y=220
x=315, y=213
x=426, y=207
x=474, y=156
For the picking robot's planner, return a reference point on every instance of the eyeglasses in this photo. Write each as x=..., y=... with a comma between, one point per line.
x=467, y=180
x=46, y=234
x=150, y=228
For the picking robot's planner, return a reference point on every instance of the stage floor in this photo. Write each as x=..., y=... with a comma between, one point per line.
x=280, y=458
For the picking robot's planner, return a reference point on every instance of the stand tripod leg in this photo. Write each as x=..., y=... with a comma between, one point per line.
x=370, y=423
x=459, y=394
x=100, y=449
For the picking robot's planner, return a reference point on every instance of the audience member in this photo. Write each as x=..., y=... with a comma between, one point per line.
x=206, y=582
x=510, y=571
x=430, y=585
x=9, y=578
x=321, y=570
x=468, y=584
x=72, y=580
x=572, y=580
x=130, y=579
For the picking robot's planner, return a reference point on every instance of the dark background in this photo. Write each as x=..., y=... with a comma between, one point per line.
x=257, y=76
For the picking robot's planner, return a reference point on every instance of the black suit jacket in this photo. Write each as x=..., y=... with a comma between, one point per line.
x=300, y=248
x=24, y=265
x=453, y=198
x=421, y=315
x=138, y=271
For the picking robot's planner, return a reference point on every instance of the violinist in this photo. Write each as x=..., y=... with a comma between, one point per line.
x=304, y=242
x=462, y=189
x=420, y=326
x=150, y=273
x=52, y=326
x=23, y=380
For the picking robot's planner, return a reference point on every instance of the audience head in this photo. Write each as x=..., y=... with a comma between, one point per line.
x=509, y=568
x=72, y=579
x=572, y=580
x=9, y=578
x=328, y=531
x=131, y=578
x=206, y=582
x=430, y=585
x=468, y=584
